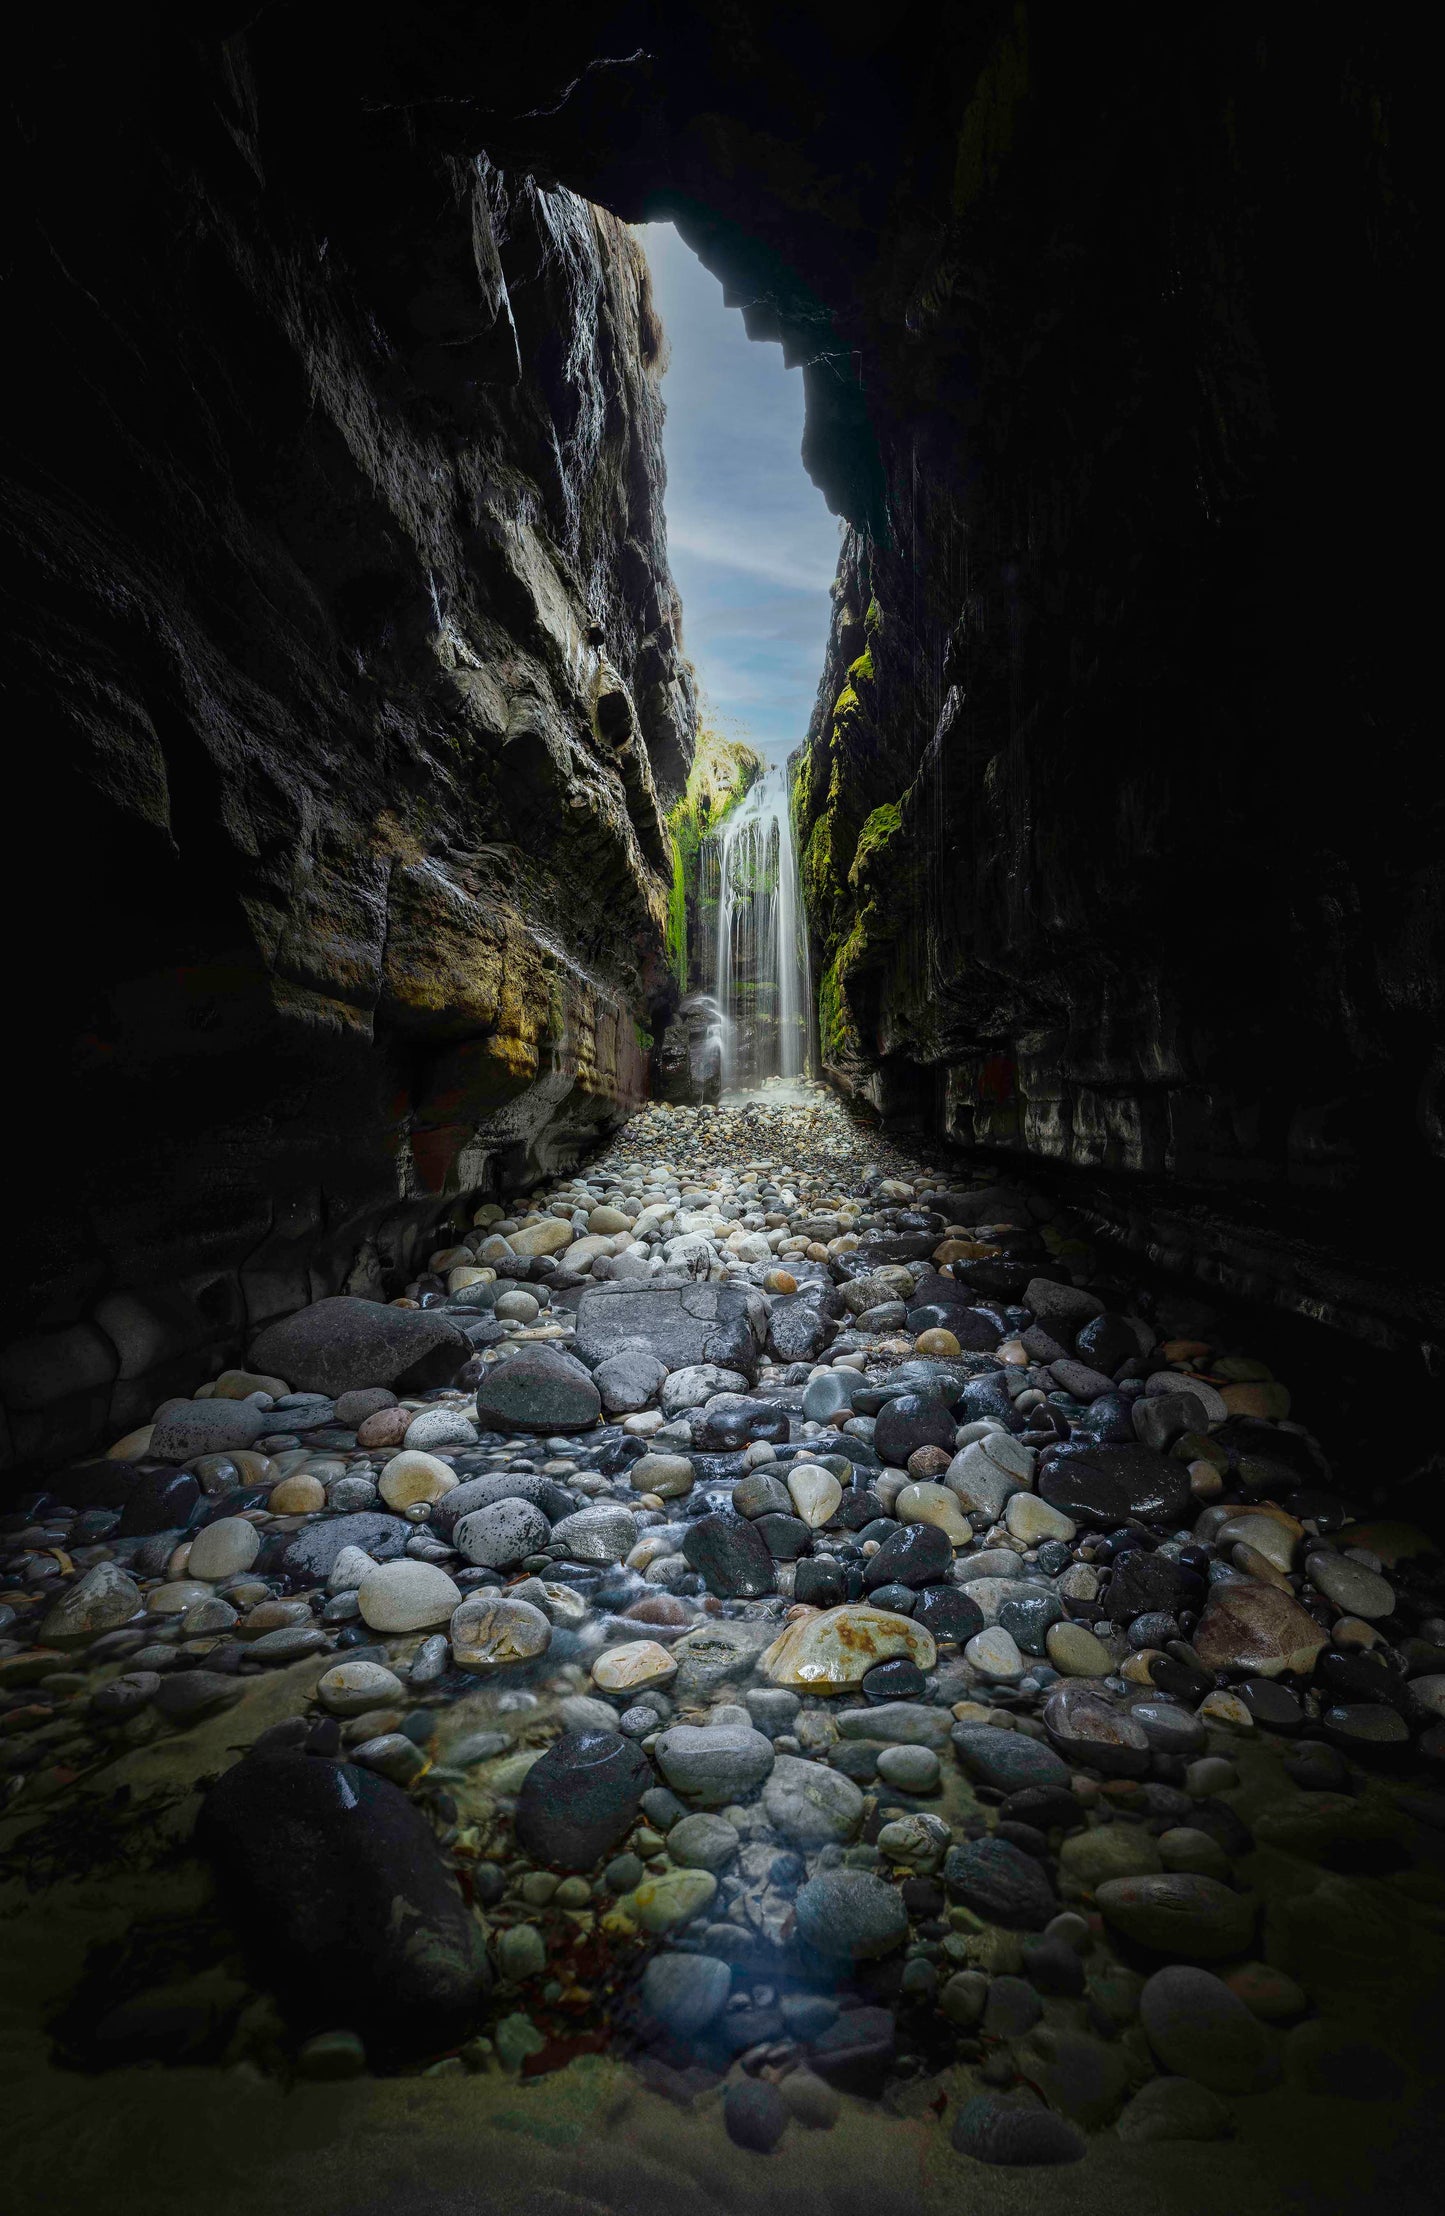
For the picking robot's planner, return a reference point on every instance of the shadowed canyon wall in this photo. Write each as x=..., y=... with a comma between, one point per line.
x=345, y=676
x=335, y=898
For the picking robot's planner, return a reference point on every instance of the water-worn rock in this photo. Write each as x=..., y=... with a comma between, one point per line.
x=224, y=1548
x=414, y=1476
x=731, y=1555
x=309, y=1556
x=998, y=1882
x=601, y=1534
x=1101, y=1486
x=1202, y=2030
x=103, y=1598
x=341, y=1345
x=835, y=1649
x=1257, y=1628
x=713, y=1765
x=681, y=1325
x=810, y=1804
x=1173, y=2108
x=1007, y=1760
x=537, y=1389
x=1085, y=1726
x=491, y=1629
x=628, y=1380
x=352, y=1688
x=496, y=1537
x=850, y=1914
x=686, y=1992
x=194, y=1427
x=703, y=1842
x=345, y=1902
x=1015, y=2137
x=916, y=1554
x=1195, y=1917
x=407, y=1596
x=626, y=1669
x=1352, y=1587
x=581, y=1798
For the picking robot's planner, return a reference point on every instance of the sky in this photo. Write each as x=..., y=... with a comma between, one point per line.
x=752, y=545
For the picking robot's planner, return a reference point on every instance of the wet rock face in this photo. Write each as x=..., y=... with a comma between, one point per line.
x=353, y=679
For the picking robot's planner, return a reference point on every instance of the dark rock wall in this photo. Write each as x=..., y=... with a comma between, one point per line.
x=345, y=696
x=1123, y=829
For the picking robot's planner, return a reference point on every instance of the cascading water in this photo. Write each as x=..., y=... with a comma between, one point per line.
x=763, y=986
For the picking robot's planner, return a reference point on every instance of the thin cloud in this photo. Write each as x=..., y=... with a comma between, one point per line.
x=752, y=542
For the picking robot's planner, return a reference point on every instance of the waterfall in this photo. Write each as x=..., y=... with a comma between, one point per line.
x=763, y=986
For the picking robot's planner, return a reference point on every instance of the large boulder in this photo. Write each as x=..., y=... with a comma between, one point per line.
x=341, y=1345
x=349, y=1912
x=537, y=1389
x=681, y=1324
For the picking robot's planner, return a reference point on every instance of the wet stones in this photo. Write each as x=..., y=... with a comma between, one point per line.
x=909, y=1421
x=1180, y=1914
x=1000, y=1883
x=106, y=1596
x=353, y=1688
x=811, y=1805
x=189, y=1428
x=918, y=1554
x=681, y=1325
x=834, y=1651
x=407, y=1596
x=686, y=1993
x=603, y=1534
x=496, y=1537
x=490, y=1630
x=1086, y=1728
x=581, y=1798
x=225, y=1548
x=342, y=1345
x=850, y=1914
x=1257, y=1629
x=537, y=1389
x=347, y=1906
x=713, y=1765
x=309, y=1556
x=1016, y=2136
x=1007, y=1760
x=1102, y=1486
x=731, y=1556
x=1351, y=1586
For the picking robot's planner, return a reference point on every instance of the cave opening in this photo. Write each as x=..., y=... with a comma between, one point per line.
x=720, y=1429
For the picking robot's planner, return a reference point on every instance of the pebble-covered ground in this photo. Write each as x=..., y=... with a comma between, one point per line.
x=767, y=1641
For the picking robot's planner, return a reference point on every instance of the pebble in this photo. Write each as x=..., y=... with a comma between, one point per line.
x=713, y=1765
x=489, y=1631
x=407, y=1596
x=850, y=1913
x=1199, y=2029
x=811, y=1805
x=640, y=1662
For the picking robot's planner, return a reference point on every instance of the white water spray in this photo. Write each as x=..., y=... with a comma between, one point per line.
x=763, y=986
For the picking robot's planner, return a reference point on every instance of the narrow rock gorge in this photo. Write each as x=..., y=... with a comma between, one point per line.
x=721, y=1480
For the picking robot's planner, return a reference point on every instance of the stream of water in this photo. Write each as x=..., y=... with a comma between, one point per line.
x=763, y=984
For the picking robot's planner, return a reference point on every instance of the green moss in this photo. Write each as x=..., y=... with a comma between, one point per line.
x=861, y=672
x=723, y=772
x=873, y=618
x=675, y=935
x=883, y=825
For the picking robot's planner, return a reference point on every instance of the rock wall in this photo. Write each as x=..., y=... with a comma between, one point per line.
x=345, y=678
